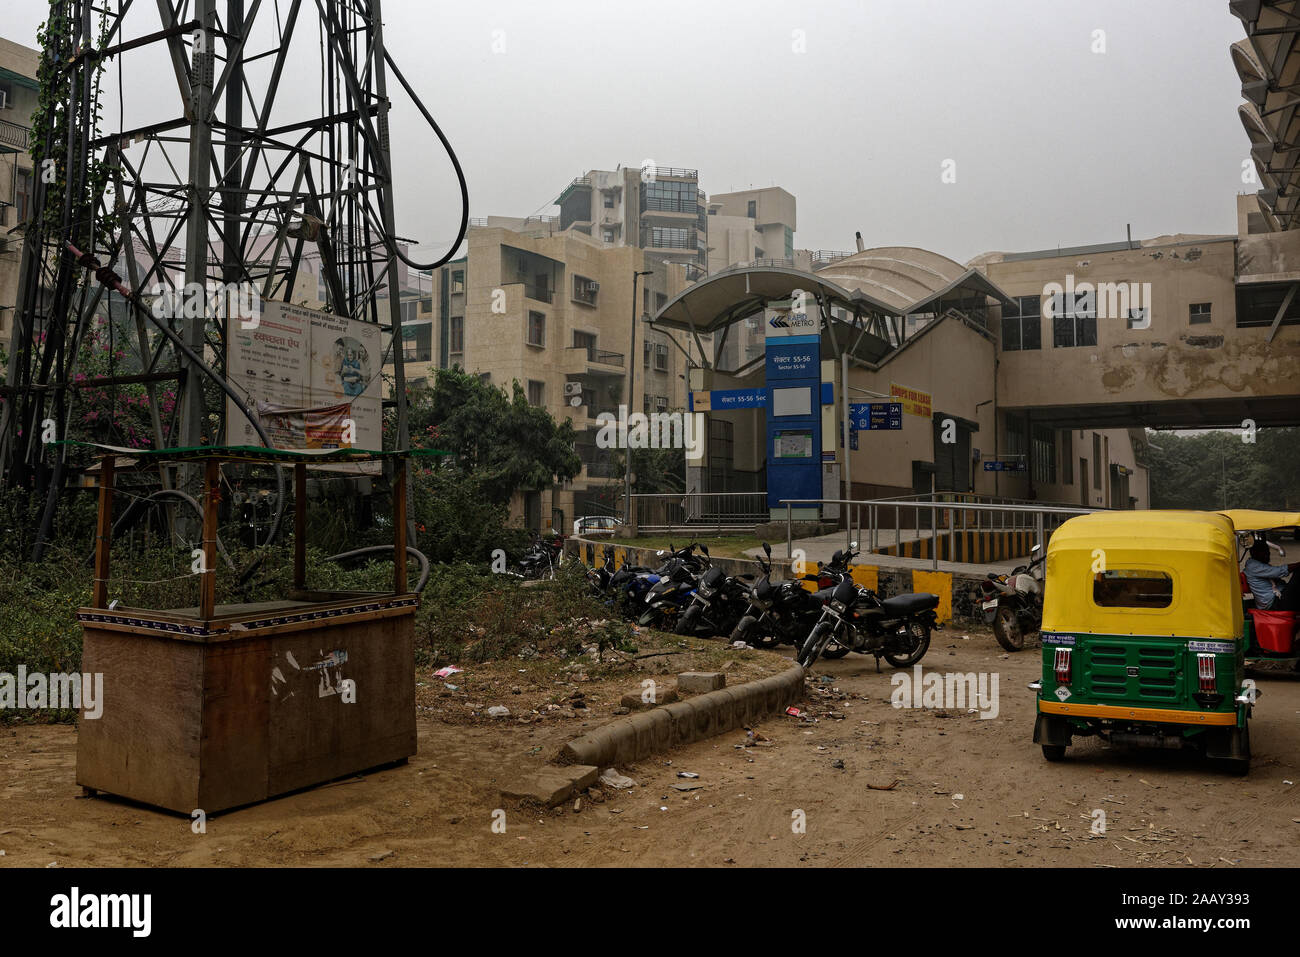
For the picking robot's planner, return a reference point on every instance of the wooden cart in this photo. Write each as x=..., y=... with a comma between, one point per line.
x=218, y=706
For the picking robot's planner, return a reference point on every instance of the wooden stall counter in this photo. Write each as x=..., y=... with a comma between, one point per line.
x=218, y=706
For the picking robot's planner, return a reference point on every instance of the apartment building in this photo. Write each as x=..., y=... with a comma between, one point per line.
x=659, y=209
x=18, y=99
x=553, y=311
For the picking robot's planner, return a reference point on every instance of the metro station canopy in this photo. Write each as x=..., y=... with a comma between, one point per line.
x=1268, y=62
x=870, y=294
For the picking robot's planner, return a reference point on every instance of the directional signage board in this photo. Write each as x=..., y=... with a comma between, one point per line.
x=1004, y=466
x=875, y=415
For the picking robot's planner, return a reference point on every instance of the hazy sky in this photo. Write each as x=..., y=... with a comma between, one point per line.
x=851, y=106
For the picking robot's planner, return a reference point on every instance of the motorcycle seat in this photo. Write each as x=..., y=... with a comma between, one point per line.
x=901, y=605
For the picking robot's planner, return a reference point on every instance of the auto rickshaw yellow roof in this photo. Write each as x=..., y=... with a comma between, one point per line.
x=1254, y=520
x=1197, y=550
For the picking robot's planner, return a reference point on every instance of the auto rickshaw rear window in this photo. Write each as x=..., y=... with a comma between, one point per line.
x=1132, y=588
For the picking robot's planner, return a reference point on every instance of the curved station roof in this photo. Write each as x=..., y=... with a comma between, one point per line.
x=1268, y=62
x=871, y=292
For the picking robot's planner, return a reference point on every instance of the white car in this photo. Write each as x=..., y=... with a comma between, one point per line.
x=596, y=525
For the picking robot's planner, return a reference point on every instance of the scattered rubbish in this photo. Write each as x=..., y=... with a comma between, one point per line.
x=611, y=778
x=885, y=787
x=381, y=856
x=741, y=645
x=838, y=764
x=452, y=687
x=793, y=712
x=1285, y=781
x=688, y=785
x=687, y=774
x=498, y=711
x=959, y=797
x=449, y=671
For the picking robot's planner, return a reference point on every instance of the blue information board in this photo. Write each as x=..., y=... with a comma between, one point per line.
x=1004, y=466
x=794, y=431
x=875, y=415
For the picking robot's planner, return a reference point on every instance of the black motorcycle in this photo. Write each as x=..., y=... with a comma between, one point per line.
x=783, y=612
x=718, y=601
x=1013, y=603
x=542, y=558
x=856, y=619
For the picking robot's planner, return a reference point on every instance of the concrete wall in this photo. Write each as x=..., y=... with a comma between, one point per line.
x=1171, y=361
x=23, y=60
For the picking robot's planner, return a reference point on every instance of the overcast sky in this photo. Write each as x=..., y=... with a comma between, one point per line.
x=853, y=107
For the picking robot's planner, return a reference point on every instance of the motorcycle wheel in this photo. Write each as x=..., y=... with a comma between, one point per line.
x=687, y=622
x=742, y=628
x=814, y=645
x=834, y=651
x=918, y=639
x=1006, y=629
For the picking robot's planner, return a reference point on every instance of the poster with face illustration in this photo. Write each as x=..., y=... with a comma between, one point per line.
x=298, y=358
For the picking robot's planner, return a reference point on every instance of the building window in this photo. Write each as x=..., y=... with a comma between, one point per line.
x=647, y=349
x=1067, y=457
x=607, y=235
x=22, y=194
x=536, y=392
x=671, y=196
x=1096, y=460
x=457, y=335
x=584, y=290
x=410, y=310
x=457, y=281
x=1044, y=455
x=1015, y=441
x=609, y=200
x=1198, y=313
x=485, y=378
x=670, y=237
x=536, y=329
x=1074, y=323
x=1022, y=325
x=661, y=357
x=660, y=301
x=751, y=209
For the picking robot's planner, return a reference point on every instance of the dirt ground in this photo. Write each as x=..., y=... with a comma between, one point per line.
x=965, y=790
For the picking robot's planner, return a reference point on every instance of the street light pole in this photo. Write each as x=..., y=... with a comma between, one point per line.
x=631, y=381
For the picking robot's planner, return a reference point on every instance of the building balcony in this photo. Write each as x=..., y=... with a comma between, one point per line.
x=542, y=294
x=579, y=361
x=14, y=138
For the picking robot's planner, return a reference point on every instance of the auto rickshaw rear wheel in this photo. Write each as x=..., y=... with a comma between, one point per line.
x=1054, y=752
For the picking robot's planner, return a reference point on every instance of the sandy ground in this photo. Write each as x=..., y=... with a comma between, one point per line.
x=965, y=790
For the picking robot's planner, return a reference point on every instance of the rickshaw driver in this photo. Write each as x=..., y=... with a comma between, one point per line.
x=1261, y=576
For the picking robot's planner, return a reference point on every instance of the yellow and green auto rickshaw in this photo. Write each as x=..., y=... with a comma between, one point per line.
x=1143, y=636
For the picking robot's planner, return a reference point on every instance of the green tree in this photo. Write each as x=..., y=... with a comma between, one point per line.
x=499, y=441
x=1217, y=469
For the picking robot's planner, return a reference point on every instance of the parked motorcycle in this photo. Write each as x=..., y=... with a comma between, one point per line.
x=542, y=557
x=1013, y=603
x=673, y=592
x=783, y=612
x=718, y=601
x=856, y=619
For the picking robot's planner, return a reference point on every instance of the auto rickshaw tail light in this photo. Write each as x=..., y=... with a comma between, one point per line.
x=1205, y=670
x=1062, y=666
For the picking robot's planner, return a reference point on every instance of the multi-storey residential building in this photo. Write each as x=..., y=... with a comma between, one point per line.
x=656, y=208
x=18, y=98
x=553, y=311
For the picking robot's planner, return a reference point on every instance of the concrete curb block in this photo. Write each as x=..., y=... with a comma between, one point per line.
x=683, y=722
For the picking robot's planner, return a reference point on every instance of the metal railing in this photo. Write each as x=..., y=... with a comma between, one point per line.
x=824, y=257
x=957, y=515
x=698, y=511
x=14, y=136
x=671, y=171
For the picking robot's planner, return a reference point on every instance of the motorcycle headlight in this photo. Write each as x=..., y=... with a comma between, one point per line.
x=705, y=590
x=837, y=606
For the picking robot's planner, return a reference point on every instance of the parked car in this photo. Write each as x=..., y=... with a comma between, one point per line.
x=596, y=525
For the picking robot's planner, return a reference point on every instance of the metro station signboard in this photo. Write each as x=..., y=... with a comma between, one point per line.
x=875, y=416
x=1004, y=466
